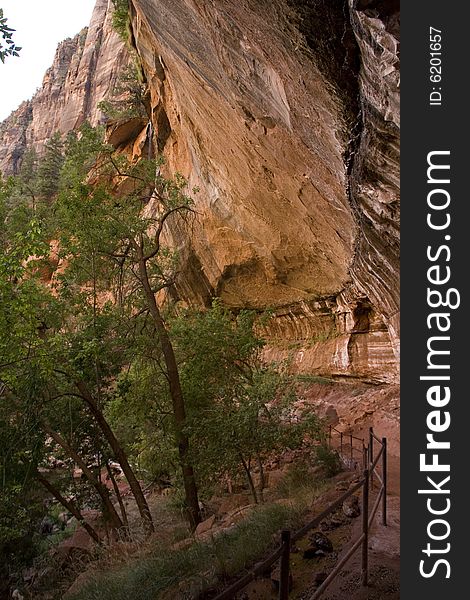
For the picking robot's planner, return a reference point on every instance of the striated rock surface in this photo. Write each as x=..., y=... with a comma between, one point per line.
x=13, y=138
x=375, y=174
x=84, y=70
x=252, y=122
x=285, y=115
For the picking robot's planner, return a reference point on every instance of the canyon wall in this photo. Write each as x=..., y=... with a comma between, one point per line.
x=285, y=115
x=83, y=73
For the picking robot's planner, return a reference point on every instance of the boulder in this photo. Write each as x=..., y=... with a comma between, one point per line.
x=78, y=544
x=205, y=526
x=333, y=521
x=351, y=507
x=321, y=541
x=320, y=545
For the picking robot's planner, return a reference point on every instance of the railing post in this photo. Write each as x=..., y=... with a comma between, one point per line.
x=365, y=456
x=284, y=566
x=384, y=478
x=365, y=528
x=371, y=455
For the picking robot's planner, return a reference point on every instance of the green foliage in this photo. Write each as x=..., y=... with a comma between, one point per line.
x=127, y=99
x=25, y=307
x=24, y=302
x=18, y=521
x=328, y=459
x=165, y=570
x=31, y=192
x=298, y=476
x=7, y=44
x=239, y=412
x=100, y=216
x=121, y=19
x=140, y=412
x=20, y=506
x=82, y=152
x=50, y=167
x=86, y=324
x=50, y=336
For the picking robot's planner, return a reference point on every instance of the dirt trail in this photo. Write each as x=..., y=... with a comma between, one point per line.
x=384, y=561
x=384, y=564
x=384, y=551
x=384, y=541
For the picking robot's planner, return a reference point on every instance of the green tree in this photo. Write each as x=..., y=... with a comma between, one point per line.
x=239, y=411
x=27, y=178
x=114, y=220
x=7, y=44
x=44, y=348
x=25, y=305
x=48, y=173
x=128, y=97
x=20, y=506
x=121, y=21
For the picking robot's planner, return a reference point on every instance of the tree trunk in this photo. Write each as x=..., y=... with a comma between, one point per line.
x=179, y=411
x=70, y=507
x=108, y=507
x=120, y=456
x=262, y=478
x=249, y=478
x=118, y=495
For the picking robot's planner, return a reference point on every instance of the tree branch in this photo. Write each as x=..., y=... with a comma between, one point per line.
x=159, y=230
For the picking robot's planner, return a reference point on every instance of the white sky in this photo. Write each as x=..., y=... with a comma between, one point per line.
x=40, y=25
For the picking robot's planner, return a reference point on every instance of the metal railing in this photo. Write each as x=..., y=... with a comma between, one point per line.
x=382, y=493
x=347, y=452
x=282, y=552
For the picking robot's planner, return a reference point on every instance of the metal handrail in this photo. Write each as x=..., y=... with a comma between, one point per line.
x=347, y=434
x=283, y=551
x=348, y=453
x=271, y=559
x=317, y=520
x=376, y=506
x=374, y=463
x=261, y=567
x=338, y=568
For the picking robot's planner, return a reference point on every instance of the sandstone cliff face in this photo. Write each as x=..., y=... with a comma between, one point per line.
x=82, y=74
x=285, y=115
x=375, y=175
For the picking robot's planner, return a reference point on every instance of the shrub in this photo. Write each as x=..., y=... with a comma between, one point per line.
x=328, y=459
x=121, y=20
x=228, y=553
x=127, y=99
